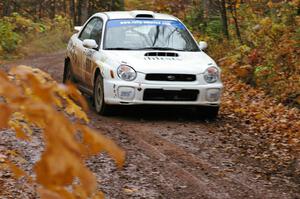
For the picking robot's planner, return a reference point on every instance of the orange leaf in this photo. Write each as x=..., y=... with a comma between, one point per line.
x=57, y=193
x=47, y=194
x=99, y=195
x=19, y=130
x=76, y=95
x=97, y=142
x=16, y=170
x=5, y=113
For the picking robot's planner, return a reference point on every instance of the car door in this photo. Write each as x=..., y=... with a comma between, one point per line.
x=81, y=50
x=89, y=62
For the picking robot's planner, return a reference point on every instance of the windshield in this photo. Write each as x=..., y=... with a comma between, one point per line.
x=143, y=34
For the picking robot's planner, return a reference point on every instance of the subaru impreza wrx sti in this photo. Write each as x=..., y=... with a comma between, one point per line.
x=142, y=57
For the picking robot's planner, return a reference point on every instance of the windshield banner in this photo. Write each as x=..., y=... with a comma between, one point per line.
x=143, y=22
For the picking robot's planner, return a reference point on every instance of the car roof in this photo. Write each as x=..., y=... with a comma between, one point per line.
x=137, y=14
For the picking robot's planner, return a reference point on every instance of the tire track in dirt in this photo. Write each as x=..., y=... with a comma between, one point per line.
x=184, y=145
x=166, y=152
x=190, y=186
x=220, y=184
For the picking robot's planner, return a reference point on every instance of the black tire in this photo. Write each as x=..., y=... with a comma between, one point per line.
x=208, y=112
x=68, y=74
x=98, y=97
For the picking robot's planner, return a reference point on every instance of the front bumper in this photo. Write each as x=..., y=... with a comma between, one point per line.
x=132, y=93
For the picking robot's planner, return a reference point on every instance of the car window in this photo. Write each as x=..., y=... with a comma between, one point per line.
x=96, y=33
x=92, y=30
x=141, y=34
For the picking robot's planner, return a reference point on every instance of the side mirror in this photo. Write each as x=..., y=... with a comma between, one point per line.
x=77, y=28
x=90, y=43
x=202, y=45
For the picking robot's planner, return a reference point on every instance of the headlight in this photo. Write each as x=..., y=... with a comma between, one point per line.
x=126, y=73
x=211, y=75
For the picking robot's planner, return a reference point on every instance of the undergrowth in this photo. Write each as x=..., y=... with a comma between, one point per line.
x=269, y=55
x=21, y=36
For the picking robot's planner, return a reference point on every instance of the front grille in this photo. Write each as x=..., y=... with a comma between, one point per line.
x=170, y=95
x=171, y=77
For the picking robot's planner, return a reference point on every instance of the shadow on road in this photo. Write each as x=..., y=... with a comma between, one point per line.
x=155, y=113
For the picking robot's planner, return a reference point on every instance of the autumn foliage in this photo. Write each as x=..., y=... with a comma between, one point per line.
x=31, y=98
x=269, y=57
x=274, y=125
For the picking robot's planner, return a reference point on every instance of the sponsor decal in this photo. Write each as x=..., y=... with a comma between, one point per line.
x=144, y=22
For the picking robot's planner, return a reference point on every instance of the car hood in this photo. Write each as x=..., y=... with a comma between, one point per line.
x=186, y=62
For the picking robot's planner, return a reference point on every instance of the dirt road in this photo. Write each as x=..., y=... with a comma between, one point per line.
x=171, y=153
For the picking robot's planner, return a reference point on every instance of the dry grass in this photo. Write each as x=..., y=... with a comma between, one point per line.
x=45, y=43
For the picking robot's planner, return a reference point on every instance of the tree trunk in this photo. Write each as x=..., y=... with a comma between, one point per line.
x=53, y=9
x=121, y=5
x=84, y=10
x=15, y=6
x=237, y=29
x=40, y=9
x=65, y=7
x=6, y=8
x=205, y=5
x=224, y=18
x=90, y=8
x=112, y=5
x=72, y=11
x=78, y=18
x=117, y=5
x=235, y=19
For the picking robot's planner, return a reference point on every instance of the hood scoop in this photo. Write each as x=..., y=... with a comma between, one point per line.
x=161, y=54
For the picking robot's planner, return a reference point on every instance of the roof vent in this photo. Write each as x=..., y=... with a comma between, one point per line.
x=142, y=14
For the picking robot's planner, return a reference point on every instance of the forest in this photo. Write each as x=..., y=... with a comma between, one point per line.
x=261, y=36
x=256, y=43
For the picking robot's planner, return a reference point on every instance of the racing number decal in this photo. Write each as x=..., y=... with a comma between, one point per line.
x=73, y=54
x=89, y=66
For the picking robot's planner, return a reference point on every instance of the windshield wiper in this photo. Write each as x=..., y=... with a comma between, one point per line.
x=160, y=48
x=119, y=48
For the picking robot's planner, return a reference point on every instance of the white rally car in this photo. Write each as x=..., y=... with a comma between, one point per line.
x=142, y=57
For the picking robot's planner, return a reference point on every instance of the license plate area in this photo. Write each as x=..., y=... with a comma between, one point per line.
x=170, y=95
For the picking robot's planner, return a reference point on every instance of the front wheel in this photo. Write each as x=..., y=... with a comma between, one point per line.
x=209, y=112
x=68, y=75
x=101, y=107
